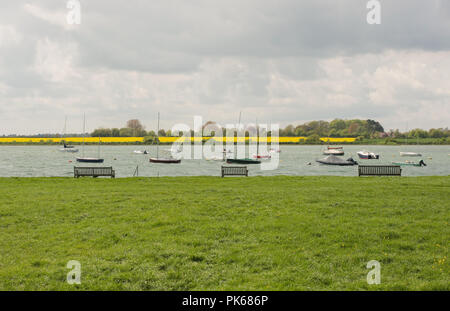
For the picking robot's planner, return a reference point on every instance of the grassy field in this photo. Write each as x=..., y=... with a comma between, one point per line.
x=208, y=233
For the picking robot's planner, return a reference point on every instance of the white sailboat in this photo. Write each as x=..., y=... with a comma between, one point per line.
x=162, y=160
x=89, y=160
x=409, y=154
x=258, y=155
x=67, y=148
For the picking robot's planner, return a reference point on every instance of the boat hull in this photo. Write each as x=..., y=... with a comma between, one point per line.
x=405, y=164
x=262, y=156
x=368, y=156
x=338, y=164
x=68, y=150
x=333, y=160
x=410, y=154
x=90, y=160
x=336, y=152
x=165, y=161
x=243, y=161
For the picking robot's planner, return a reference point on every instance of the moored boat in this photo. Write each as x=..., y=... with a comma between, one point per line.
x=90, y=160
x=243, y=161
x=82, y=158
x=367, y=155
x=334, y=160
x=410, y=154
x=409, y=163
x=336, y=152
x=69, y=149
x=275, y=150
x=262, y=156
x=164, y=160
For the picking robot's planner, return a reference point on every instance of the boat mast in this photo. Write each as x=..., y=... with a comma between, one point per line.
x=257, y=138
x=64, y=132
x=157, y=145
x=406, y=134
x=237, y=133
x=84, y=131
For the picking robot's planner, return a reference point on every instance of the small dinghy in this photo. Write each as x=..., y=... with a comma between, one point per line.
x=165, y=160
x=72, y=150
x=262, y=156
x=334, y=160
x=216, y=158
x=332, y=151
x=68, y=148
x=90, y=160
x=367, y=155
x=140, y=152
x=409, y=163
x=243, y=161
x=410, y=154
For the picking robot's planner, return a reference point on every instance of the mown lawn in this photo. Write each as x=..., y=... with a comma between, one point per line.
x=209, y=233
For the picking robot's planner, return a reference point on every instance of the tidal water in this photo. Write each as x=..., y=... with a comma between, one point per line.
x=37, y=161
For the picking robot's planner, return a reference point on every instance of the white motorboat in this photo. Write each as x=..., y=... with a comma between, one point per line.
x=367, y=155
x=336, y=152
x=410, y=154
x=73, y=150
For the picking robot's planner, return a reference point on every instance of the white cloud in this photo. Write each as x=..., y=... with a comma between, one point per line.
x=57, y=17
x=9, y=35
x=54, y=61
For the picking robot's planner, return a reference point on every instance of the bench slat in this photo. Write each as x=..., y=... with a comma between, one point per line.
x=93, y=171
x=379, y=170
x=234, y=171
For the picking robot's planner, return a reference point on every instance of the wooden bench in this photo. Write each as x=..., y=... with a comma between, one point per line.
x=234, y=171
x=379, y=170
x=93, y=171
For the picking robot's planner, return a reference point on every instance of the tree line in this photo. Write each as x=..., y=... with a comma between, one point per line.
x=362, y=129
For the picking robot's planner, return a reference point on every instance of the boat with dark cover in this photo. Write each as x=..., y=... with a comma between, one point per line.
x=334, y=160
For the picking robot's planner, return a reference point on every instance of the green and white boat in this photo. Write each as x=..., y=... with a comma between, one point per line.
x=409, y=163
x=242, y=160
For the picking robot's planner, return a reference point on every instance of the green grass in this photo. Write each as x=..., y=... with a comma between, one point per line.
x=209, y=233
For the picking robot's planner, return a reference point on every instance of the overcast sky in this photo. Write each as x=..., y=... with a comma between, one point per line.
x=280, y=61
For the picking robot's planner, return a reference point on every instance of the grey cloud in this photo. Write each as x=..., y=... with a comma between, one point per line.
x=281, y=60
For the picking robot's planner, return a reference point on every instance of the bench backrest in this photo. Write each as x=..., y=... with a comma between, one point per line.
x=379, y=170
x=81, y=170
x=234, y=170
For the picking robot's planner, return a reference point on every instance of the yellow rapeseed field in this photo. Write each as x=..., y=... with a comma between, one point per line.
x=164, y=139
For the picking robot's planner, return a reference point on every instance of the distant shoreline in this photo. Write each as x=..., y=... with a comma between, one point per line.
x=38, y=141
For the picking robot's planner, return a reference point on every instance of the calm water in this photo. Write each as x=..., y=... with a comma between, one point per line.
x=34, y=161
